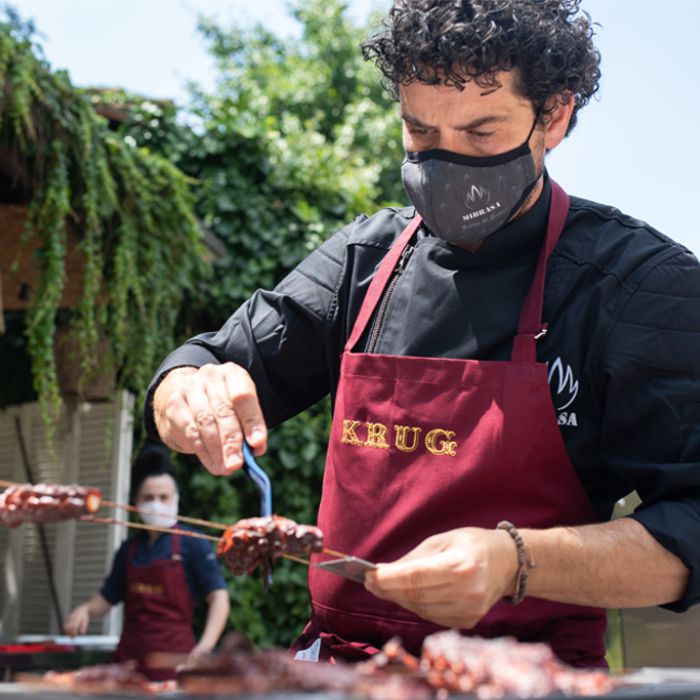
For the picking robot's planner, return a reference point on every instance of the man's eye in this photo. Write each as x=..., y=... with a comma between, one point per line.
x=481, y=134
x=414, y=131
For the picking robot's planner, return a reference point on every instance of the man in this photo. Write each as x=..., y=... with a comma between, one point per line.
x=484, y=423
x=158, y=576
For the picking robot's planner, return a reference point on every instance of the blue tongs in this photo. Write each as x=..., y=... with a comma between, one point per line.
x=349, y=567
x=262, y=481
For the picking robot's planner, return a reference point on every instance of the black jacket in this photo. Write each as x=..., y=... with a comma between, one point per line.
x=623, y=347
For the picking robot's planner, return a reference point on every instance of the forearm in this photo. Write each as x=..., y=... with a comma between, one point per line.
x=217, y=616
x=98, y=606
x=610, y=565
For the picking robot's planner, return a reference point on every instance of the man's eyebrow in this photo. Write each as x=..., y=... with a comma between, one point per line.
x=481, y=121
x=410, y=119
x=474, y=124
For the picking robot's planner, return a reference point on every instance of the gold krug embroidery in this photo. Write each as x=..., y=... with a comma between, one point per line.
x=401, y=433
x=147, y=588
x=376, y=436
x=440, y=442
x=349, y=434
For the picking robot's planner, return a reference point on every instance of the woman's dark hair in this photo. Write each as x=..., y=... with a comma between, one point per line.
x=549, y=42
x=152, y=460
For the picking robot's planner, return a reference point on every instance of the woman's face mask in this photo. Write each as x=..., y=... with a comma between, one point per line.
x=157, y=501
x=463, y=199
x=159, y=513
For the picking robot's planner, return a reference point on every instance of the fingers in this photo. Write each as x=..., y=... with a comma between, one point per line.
x=244, y=398
x=208, y=412
x=211, y=419
x=439, y=604
x=76, y=624
x=445, y=604
x=408, y=573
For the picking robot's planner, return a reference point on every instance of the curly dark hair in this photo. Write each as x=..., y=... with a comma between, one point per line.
x=549, y=42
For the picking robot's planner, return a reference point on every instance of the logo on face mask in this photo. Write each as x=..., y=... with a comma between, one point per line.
x=477, y=197
x=496, y=187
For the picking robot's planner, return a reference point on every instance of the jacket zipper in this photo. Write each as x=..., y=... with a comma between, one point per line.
x=381, y=311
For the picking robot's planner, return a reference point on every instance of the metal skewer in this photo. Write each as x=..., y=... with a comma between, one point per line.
x=171, y=530
x=265, y=499
x=143, y=526
x=180, y=518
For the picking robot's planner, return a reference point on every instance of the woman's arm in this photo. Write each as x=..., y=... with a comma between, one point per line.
x=79, y=619
x=217, y=616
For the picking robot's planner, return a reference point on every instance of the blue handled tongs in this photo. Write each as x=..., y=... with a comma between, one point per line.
x=352, y=568
x=262, y=481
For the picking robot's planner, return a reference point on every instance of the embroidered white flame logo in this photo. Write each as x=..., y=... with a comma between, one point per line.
x=478, y=197
x=566, y=386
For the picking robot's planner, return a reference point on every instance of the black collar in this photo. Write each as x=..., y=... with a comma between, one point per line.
x=519, y=239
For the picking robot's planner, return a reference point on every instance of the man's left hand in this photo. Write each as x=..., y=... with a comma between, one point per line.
x=452, y=579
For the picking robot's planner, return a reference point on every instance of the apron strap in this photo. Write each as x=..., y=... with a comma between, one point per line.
x=175, y=547
x=530, y=327
x=131, y=550
x=379, y=282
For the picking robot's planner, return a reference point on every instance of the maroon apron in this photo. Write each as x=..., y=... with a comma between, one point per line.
x=157, y=611
x=420, y=446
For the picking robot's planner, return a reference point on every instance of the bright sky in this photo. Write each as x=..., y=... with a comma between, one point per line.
x=636, y=147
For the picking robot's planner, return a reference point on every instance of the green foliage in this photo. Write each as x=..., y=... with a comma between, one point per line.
x=297, y=138
x=131, y=209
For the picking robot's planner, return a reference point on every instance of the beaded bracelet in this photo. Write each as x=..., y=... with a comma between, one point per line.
x=525, y=563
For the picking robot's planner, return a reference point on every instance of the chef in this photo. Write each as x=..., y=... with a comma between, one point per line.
x=505, y=362
x=158, y=576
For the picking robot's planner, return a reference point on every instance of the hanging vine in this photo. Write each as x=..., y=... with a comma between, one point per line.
x=131, y=210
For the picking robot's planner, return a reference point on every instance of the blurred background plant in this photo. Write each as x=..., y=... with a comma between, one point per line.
x=126, y=212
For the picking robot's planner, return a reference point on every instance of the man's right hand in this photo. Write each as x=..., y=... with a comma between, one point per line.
x=206, y=411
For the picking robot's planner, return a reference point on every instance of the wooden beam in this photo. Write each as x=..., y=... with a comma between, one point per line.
x=18, y=285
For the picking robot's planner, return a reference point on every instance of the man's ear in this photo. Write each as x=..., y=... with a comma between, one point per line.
x=556, y=120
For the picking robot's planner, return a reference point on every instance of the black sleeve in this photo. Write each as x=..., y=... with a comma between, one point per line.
x=651, y=424
x=282, y=337
x=203, y=566
x=114, y=587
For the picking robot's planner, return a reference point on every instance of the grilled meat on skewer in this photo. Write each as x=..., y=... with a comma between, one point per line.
x=254, y=542
x=46, y=503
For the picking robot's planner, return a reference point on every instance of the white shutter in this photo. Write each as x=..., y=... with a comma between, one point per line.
x=103, y=460
x=10, y=578
x=93, y=448
x=36, y=609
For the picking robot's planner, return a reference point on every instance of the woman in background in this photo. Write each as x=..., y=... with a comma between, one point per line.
x=158, y=576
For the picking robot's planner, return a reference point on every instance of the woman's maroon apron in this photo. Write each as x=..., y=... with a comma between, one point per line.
x=157, y=611
x=420, y=446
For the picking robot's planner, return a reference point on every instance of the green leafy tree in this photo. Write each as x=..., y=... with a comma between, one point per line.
x=131, y=210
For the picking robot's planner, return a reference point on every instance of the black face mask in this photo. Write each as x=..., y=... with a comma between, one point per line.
x=463, y=199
